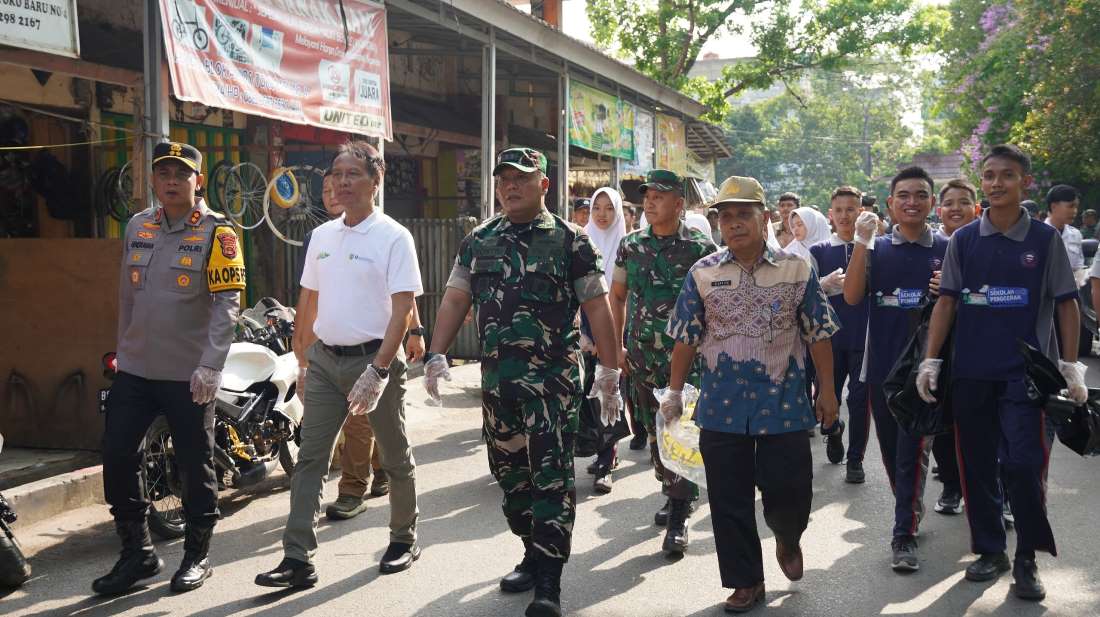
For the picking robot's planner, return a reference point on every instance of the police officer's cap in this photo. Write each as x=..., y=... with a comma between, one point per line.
x=582, y=203
x=662, y=180
x=176, y=151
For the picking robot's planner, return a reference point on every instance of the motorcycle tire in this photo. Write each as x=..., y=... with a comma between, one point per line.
x=288, y=454
x=162, y=483
x=14, y=568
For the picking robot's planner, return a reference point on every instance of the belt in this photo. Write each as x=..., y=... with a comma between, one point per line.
x=362, y=349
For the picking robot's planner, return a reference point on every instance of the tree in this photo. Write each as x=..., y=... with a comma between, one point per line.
x=663, y=38
x=1026, y=71
x=842, y=131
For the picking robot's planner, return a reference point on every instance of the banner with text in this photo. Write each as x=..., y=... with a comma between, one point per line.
x=43, y=25
x=292, y=60
x=671, y=144
x=643, y=144
x=600, y=122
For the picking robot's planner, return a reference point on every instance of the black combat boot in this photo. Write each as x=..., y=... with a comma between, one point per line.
x=522, y=577
x=547, y=602
x=195, y=567
x=137, y=561
x=676, y=536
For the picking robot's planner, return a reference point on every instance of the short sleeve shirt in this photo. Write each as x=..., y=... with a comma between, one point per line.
x=527, y=282
x=355, y=271
x=751, y=328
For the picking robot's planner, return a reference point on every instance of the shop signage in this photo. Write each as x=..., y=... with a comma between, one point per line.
x=42, y=25
x=643, y=144
x=671, y=144
x=301, y=61
x=600, y=122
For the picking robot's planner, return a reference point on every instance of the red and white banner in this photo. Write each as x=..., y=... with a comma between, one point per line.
x=302, y=61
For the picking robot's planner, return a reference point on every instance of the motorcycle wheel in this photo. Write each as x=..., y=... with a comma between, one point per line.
x=14, y=568
x=162, y=483
x=288, y=453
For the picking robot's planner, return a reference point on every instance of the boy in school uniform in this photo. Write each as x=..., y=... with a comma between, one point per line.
x=1005, y=278
x=894, y=272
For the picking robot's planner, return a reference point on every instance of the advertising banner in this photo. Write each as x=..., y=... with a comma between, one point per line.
x=302, y=61
x=600, y=122
x=643, y=144
x=671, y=144
x=42, y=25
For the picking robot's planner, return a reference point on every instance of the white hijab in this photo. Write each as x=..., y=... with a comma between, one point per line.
x=607, y=240
x=698, y=221
x=817, y=230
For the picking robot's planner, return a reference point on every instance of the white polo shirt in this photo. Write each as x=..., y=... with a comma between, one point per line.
x=354, y=271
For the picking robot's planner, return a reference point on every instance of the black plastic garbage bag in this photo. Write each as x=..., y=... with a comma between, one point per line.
x=913, y=415
x=1077, y=426
x=593, y=436
x=1041, y=374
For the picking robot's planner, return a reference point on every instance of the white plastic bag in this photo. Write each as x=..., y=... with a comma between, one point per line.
x=678, y=443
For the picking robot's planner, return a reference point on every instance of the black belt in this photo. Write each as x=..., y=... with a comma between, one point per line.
x=362, y=349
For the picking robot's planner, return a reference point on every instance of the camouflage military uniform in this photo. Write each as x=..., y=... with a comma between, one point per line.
x=527, y=282
x=653, y=269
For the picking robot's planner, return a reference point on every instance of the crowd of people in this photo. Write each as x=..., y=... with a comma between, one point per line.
x=621, y=309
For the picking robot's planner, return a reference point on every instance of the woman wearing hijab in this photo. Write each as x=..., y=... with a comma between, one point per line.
x=808, y=227
x=606, y=227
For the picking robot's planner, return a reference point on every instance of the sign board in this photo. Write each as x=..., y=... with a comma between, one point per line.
x=671, y=144
x=600, y=122
x=293, y=60
x=42, y=25
x=643, y=144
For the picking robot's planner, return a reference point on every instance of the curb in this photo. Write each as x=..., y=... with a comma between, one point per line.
x=38, y=501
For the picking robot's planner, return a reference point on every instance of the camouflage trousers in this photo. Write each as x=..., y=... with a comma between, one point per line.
x=530, y=444
x=642, y=383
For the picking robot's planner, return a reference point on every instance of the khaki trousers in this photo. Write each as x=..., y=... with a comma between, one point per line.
x=358, y=458
x=328, y=383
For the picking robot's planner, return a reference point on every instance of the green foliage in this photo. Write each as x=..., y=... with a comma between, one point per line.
x=664, y=37
x=840, y=132
x=1026, y=71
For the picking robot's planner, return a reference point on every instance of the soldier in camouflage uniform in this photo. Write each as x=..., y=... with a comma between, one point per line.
x=526, y=272
x=649, y=270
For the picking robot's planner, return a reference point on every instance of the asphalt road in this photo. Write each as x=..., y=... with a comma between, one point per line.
x=616, y=569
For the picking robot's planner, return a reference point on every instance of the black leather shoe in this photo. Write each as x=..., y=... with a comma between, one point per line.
x=137, y=561
x=195, y=568
x=639, y=441
x=987, y=567
x=834, y=443
x=855, y=474
x=289, y=573
x=522, y=578
x=1027, y=585
x=399, y=556
x=547, y=602
x=676, y=536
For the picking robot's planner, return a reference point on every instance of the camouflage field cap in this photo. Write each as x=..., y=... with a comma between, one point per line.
x=526, y=160
x=662, y=180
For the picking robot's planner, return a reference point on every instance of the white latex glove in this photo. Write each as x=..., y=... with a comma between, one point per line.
x=927, y=375
x=364, y=395
x=866, y=226
x=204, y=385
x=833, y=282
x=434, y=369
x=606, y=388
x=1074, y=372
x=672, y=405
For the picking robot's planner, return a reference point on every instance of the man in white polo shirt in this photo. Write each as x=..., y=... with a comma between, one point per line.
x=357, y=365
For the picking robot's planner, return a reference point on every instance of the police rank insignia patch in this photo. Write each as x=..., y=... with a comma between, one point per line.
x=183, y=280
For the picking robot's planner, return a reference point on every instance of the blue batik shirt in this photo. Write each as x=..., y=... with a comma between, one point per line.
x=751, y=328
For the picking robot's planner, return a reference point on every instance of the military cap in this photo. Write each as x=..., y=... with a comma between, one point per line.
x=662, y=180
x=526, y=160
x=582, y=203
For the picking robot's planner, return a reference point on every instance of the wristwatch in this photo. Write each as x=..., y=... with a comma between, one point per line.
x=384, y=373
x=417, y=331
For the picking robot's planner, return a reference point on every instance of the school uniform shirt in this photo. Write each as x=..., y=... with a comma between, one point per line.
x=751, y=328
x=828, y=256
x=1007, y=285
x=355, y=270
x=1072, y=239
x=898, y=272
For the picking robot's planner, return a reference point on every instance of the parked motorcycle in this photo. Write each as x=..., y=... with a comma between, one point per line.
x=256, y=420
x=14, y=569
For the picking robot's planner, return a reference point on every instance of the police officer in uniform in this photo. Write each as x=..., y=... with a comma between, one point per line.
x=526, y=272
x=179, y=295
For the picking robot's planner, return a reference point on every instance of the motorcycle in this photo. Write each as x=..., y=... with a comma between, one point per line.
x=14, y=569
x=257, y=417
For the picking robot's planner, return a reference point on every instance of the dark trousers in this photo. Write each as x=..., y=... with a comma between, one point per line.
x=846, y=368
x=943, y=449
x=905, y=458
x=995, y=421
x=781, y=466
x=132, y=406
x=605, y=458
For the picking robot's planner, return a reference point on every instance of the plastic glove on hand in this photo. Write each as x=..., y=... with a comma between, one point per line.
x=928, y=374
x=605, y=386
x=833, y=282
x=672, y=405
x=204, y=385
x=300, y=388
x=1074, y=372
x=866, y=226
x=434, y=369
x=364, y=395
